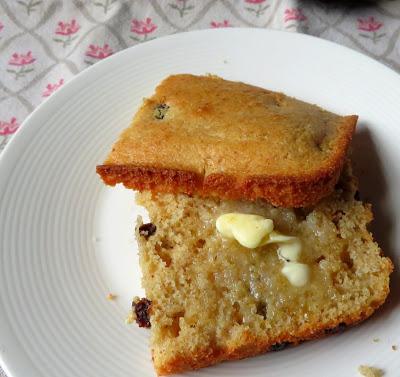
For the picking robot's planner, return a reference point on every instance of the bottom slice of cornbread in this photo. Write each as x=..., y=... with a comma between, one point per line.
x=213, y=299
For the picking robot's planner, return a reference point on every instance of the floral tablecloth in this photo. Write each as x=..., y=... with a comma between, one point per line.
x=44, y=43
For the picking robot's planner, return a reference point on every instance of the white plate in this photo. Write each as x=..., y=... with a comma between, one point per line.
x=67, y=241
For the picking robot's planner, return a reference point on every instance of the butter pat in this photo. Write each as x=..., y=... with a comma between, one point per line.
x=289, y=248
x=249, y=230
x=298, y=274
x=252, y=231
x=290, y=251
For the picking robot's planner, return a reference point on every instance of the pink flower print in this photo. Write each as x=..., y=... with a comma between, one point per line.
x=66, y=30
x=294, y=14
x=182, y=7
x=7, y=129
x=51, y=88
x=259, y=8
x=23, y=61
x=144, y=28
x=371, y=26
x=98, y=52
x=1, y=26
x=216, y=24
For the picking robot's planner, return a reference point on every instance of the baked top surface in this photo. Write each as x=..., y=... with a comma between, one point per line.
x=213, y=125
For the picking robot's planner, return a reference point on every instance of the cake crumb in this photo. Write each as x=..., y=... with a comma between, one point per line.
x=376, y=340
x=368, y=371
x=132, y=314
x=111, y=296
x=130, y=318
x=394, y=347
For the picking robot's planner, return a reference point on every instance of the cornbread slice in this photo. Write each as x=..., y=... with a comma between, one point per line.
x=207, y=136
x=215, y=300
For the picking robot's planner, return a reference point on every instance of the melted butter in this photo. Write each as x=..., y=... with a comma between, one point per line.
x=298, y=274
x=248, y=230
x=252, y=231
x=289, y=248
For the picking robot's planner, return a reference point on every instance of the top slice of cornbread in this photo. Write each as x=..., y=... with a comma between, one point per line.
x=212, y=137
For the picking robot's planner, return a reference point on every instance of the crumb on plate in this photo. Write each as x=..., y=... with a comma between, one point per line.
x=368, y=371
x=394, y=347
x=130, y=318
x=376, y=340
x=111, y=296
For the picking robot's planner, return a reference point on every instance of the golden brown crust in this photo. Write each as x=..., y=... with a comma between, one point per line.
x=231, y=140
x=252, y=347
